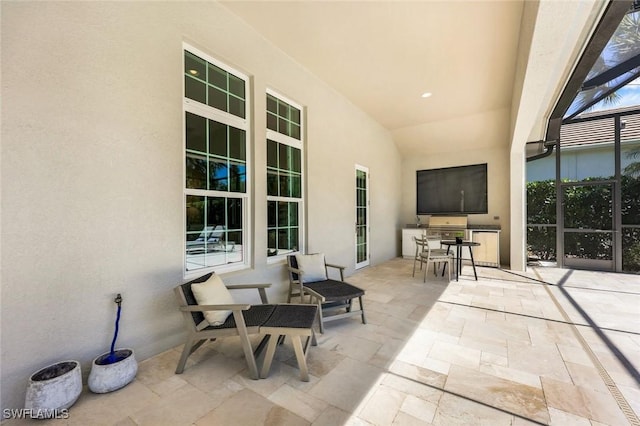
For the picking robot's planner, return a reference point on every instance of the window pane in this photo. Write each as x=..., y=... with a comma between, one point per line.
x=293, y=239
x=272, y=214
x=218, y=175
x=237, y=177
x=235, y=237
x=236, y=86
x=283, y=109
x=237, y=145
x=283, y=238
x=283, y=127
x=272, y=183
x=215, y=212
x=296, y=186
x=296, y=164
x=272, y=154
x=362, y=235
x=295, y=131
x=295, y=115
x=217, y=99
x=195, y=90
x=196, y=171
x=272, y=104
x=283, y=214
x=362, y=216
x=217, y=138
x=293, y=214
x=195, y=213
x=283, y=157
x=272, y=122
x=236, y=106
x=272, y=242
x=217, y=77
x=194, y=66
x=234, y=217
x=285, y=185
x=196, y=132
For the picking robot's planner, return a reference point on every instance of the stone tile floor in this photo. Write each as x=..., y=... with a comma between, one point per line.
x=550, y=346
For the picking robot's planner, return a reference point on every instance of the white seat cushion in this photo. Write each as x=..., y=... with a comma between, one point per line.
x=312, y=266
x=212, y=292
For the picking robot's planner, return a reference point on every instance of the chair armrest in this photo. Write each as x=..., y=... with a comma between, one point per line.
x=335, y=266
x=204, y=308
x=314, y=295
x=295, y=270
x=260, y=287
x=243, y=286
x=341, y=268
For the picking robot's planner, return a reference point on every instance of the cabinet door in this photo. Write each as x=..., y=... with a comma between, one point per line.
x=488, y=251
x=408, y=244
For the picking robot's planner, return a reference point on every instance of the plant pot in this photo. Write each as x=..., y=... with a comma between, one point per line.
x=108, y=374
x=54, y=387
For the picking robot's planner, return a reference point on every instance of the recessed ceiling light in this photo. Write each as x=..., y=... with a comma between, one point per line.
x=426, y=94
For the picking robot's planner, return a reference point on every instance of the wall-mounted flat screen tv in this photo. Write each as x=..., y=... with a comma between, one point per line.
x=452, y=190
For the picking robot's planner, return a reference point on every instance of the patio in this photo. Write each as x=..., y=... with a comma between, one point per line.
x=554, y=347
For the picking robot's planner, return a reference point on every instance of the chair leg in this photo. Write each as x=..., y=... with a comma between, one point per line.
x=246, y=345
x=268, y=356
x=300, y=357
x=364, y=320
x=186, y=351
x=320, y=319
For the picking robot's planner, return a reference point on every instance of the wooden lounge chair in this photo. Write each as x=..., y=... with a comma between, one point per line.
x=334, y=298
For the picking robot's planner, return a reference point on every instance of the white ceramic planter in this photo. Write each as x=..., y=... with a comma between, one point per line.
x=105, y=377
x=54, y=387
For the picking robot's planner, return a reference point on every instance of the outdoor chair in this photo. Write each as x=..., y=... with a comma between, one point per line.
x=425, y=254
x=308, y=276
x=218, y=316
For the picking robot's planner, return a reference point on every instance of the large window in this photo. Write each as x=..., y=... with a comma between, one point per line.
x=284, y=176
x=215, y=124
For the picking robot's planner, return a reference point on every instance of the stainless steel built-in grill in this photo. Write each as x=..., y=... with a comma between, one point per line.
x=448, y=227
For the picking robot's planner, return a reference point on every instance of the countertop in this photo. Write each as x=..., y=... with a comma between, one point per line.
x=469, y=226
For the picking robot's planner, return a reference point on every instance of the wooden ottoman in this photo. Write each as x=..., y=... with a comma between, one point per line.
x=295, y=321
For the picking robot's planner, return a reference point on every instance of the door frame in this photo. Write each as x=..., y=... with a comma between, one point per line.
x=367, y=226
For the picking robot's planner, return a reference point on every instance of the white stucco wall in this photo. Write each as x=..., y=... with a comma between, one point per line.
x=92, y=161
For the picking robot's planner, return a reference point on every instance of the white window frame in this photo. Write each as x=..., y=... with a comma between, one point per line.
x=211, y=113
x=299, y=144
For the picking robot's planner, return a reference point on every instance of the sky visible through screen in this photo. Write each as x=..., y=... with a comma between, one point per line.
x=629, y=96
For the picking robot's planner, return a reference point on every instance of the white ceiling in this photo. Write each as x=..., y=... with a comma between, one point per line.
x=383, y=55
